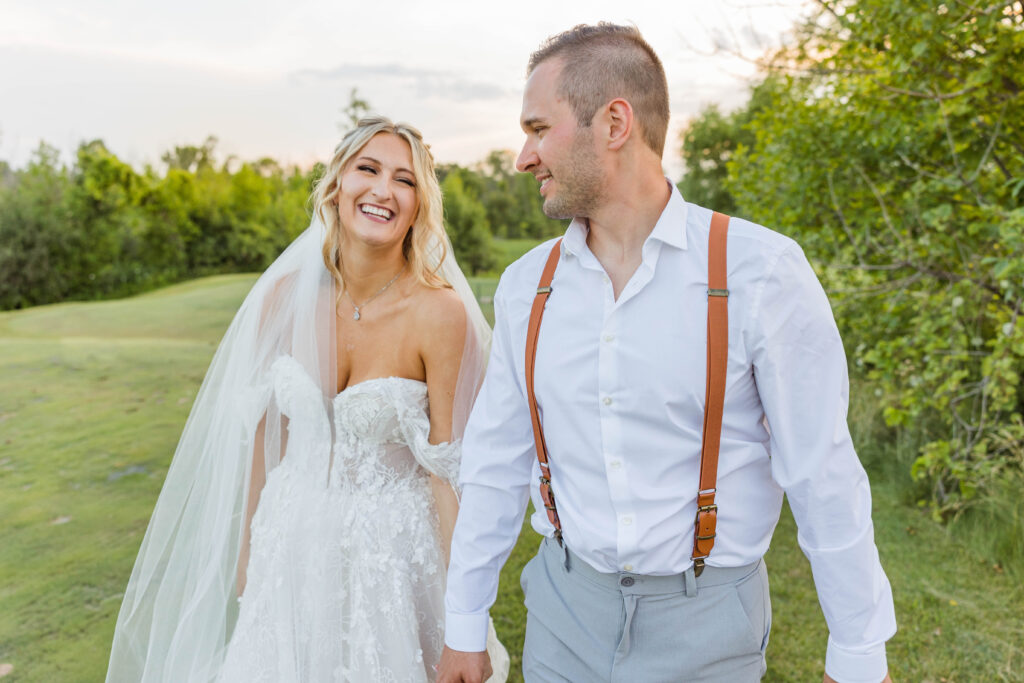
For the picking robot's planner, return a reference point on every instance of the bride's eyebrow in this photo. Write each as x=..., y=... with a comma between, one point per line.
x=375, y=161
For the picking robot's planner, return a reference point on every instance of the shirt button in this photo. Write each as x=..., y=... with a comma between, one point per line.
x=628, y=567
x=609, y=337
x=607, y=400
x=626, y=521
x=604, y=279
x=616, y=464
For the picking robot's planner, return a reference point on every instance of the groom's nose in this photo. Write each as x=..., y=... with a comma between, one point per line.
x=527, y=159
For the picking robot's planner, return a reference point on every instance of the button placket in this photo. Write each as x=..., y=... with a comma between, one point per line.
x=610, y=382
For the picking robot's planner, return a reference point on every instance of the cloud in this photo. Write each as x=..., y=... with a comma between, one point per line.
x=426, y=82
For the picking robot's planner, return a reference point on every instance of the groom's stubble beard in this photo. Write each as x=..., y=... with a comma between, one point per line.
x=580, y=181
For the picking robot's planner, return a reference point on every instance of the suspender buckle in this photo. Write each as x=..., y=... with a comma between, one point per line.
x=544, y=290
x=705, y=522
x=718, y=292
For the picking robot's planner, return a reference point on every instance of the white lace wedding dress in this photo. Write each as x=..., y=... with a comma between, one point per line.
x=346, y=577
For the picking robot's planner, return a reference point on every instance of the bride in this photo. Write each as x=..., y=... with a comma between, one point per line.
x=303, y=530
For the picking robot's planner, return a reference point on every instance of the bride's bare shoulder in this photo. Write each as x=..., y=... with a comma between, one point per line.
x=440, y=314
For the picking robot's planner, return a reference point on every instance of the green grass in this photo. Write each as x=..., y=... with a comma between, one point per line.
x=94, y=395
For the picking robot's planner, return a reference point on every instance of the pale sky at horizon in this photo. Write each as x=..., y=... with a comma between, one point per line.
x=270, y=80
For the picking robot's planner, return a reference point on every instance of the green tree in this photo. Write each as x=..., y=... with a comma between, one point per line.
x=709, y=143
x=356, y=109
x=191, y=158
x=890, y=147
x=38, y=253
x=466, y=222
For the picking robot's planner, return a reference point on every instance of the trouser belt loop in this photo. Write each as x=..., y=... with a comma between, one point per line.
x=690, y=583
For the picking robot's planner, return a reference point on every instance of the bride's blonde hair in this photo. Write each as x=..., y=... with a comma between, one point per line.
x=424, y=246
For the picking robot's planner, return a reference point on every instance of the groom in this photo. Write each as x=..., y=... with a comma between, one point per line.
x=620, y=381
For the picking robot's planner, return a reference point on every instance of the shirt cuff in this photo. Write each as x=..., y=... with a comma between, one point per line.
x=866, y=665
x=466, y=632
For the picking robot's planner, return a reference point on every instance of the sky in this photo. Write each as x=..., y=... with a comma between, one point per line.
x=271, y=78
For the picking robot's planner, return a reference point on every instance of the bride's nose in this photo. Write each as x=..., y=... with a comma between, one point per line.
x=381, y=187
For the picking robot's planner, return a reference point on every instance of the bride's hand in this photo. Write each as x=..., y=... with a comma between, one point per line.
x=463, y=667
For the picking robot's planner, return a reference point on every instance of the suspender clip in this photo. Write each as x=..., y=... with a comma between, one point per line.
x=543, y=290
x=717, y=292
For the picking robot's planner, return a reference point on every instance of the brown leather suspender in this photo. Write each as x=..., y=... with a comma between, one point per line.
x=714, y=397
x=536, y=313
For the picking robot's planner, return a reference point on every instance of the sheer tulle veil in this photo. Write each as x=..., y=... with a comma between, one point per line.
x=181, y=602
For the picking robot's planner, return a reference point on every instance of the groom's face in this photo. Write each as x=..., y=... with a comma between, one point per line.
x=557, y=151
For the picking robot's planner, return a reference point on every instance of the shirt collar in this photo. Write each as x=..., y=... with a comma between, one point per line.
x=670, y=228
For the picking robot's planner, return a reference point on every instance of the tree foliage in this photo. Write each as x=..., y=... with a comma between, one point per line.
x=888, y=141
x=709, y=143
x=100, y=228
x=465, y=219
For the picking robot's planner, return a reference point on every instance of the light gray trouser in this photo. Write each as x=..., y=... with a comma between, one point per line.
x=586, y=626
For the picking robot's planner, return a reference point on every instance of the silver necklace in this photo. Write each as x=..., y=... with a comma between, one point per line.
x=355, y=315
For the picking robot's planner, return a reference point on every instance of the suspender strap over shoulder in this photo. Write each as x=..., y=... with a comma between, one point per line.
x=714, y=398
x=532, y=330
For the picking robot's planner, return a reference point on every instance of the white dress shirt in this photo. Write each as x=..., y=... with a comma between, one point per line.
x=620, y=385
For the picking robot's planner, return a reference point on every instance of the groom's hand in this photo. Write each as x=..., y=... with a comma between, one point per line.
x=463, y=667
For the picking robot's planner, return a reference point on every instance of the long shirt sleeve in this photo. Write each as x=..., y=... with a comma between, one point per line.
x=495, y=487
x=800, y=368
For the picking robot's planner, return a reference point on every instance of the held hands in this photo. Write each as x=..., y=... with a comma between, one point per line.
x=829, y=679
x=463, y=667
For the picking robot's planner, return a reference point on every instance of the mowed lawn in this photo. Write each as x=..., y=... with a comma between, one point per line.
x=94, y=395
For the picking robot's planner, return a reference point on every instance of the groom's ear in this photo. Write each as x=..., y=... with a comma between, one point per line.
x=617, y=123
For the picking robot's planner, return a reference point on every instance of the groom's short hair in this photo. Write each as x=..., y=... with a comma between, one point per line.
x=604, y=61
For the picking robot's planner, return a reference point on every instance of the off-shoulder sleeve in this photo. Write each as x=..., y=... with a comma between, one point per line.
x=442, y=459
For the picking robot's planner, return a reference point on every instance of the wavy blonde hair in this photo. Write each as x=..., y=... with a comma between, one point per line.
x=424, y=247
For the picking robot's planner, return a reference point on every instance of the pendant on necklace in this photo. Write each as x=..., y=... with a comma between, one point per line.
x=355, y=316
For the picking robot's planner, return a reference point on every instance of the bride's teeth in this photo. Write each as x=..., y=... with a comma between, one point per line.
x=374, y=211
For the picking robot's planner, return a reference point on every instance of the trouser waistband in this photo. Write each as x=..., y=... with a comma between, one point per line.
x=645, y=584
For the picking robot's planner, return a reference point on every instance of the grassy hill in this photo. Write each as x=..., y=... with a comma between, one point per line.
x=93, y=397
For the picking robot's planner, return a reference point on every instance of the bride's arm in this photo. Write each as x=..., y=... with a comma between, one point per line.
x=257, y=479
x=447, y=510
x=443, y=331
